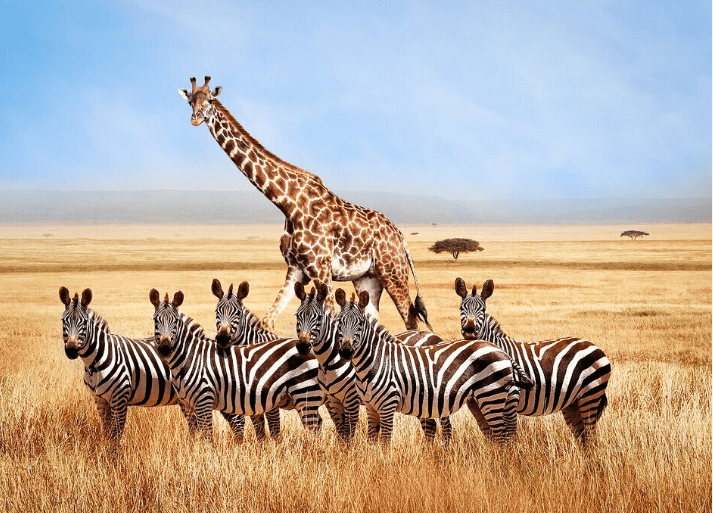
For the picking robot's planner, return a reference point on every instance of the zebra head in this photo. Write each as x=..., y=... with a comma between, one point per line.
x=74, y=321
x=351, y=323
x=311, y=316
x=201, y=100
x=230, y=314
x=472, y=308
x=166, y=319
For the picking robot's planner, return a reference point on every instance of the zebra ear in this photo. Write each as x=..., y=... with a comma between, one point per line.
x=322, y=292
x=177, y=299
x=363, y=299
x=300, y=291
x=155, y=298
x=86, y=297
x=341, y=297
x=217, y=289
x=243, y=290
x=487, y=291
x=64, y=296
x=461, y=289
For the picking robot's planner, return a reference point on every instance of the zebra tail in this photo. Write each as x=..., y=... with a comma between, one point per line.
x=603, y=402
x=520, y=378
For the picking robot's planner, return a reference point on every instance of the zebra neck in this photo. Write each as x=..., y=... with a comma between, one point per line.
x=254, y=332
x=97, y=337
x=188, y=334
x=375, y=338
x=494, y=334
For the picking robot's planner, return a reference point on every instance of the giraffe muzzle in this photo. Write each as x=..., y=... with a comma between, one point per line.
x=196, y=119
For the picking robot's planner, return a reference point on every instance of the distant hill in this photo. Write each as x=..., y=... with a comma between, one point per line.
x=249, y=207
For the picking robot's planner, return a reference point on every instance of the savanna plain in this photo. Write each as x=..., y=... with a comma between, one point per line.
x=647, y=303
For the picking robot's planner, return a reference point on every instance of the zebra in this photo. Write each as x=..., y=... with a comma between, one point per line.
x=569, y=374
x=426, y=382
x=237, y=326
x=316, y=330
x=118, y=371
x=243, y=380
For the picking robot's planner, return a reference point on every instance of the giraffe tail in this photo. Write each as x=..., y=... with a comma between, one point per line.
x=420, y=307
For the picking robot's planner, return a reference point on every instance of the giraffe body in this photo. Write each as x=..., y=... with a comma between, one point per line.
x=326, y=238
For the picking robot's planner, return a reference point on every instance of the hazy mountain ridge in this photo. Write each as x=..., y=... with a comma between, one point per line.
x=249, y=207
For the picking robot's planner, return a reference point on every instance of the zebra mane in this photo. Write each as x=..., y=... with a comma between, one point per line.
x=98, y=320
x=379, y=329
x=193, y=327
x=494, y=328
x=254, y=321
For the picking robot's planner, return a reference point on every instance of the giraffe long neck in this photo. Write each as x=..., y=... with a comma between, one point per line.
x=280, y=182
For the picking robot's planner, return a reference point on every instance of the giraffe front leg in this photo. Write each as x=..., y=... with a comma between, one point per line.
x=284, y=296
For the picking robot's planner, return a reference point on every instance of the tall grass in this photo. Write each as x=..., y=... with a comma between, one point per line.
x=654, y=448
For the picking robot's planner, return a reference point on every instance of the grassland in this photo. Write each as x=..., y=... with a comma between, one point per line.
x=647, y=303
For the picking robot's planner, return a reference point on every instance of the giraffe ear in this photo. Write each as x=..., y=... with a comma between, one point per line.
x=64, y=296
x=185, y=94
x=155, y=298
x=322, y=292
x=243, y=290
x=461, y=289
x=363, y=299
x=86, y=297
x=177, y=299
x=300, y=291
x=217, y=289
x=216, y=92
x=341, y=297
x=487, y=291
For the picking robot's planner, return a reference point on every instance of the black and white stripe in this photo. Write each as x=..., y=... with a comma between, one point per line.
x=238, y=326
x=316, y=329
x=118, y=371
x=426, y=382
x=569, y=374
x=245, y=380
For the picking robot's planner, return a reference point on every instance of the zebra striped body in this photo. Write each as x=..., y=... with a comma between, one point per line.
x=316, y=329
x=237, y=326
x=569, y=374
x=247, y=380
x=118, y=371
x=427, y=382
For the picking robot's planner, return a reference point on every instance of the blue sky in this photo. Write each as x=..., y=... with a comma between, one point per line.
x=471, y=100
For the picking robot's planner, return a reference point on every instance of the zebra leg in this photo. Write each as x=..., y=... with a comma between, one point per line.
x=582, y=415
x=373, y=423
x=118, y=419
x=446, y=430
x=479, y=417
x=190, y=417
x=273, y=423
x=335, y=408
x=104, y=415
x=204, y=416
x=387, y=424
x=509, y=416
x=237, y=425
x=258, y=422
x=429, y=429
x=351, y=404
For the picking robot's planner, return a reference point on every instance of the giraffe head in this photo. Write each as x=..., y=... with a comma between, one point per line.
x=472, y=308
x=201, y=99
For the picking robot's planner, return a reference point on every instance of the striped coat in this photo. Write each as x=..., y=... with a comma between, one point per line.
x=316, y=330
x=569, y=374
x=247, y=380
x=427, y=382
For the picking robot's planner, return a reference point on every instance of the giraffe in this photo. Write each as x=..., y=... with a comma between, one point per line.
x=325, y=238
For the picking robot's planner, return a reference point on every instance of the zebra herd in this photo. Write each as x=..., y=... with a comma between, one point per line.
x=342, y=360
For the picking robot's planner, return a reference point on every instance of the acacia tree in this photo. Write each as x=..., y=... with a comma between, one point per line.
x=456, y=246
x=633, y=234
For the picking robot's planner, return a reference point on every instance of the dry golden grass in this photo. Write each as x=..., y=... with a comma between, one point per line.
x=647, y=303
